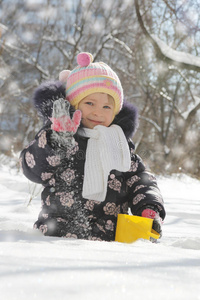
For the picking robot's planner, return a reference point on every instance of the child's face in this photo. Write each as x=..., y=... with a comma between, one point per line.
x=97, y=109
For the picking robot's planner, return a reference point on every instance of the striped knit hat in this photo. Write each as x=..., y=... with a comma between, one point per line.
x=88, y=78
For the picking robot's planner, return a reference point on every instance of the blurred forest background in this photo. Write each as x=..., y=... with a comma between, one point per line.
x=153, y=45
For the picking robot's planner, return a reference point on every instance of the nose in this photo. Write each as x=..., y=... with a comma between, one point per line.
x=97, y=112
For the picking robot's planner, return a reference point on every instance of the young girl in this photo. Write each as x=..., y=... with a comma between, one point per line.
x=84, y=157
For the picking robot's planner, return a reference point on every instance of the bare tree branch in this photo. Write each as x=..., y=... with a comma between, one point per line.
x=188, y=122
x=155, y=125
x=167, y=54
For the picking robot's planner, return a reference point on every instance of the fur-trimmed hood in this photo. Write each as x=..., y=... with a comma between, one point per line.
x=50, y=91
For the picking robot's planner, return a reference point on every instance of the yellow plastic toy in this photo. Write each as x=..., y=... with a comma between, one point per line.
x=130, y=228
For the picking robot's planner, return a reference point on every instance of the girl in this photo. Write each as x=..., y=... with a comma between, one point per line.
x=84, y=157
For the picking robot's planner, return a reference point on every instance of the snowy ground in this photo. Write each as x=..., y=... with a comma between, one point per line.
x=37, y=267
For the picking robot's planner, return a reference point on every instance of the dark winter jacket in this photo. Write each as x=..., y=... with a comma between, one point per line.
x=65, y=213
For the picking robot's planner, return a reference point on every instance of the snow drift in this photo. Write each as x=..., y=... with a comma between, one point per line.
x=36, y=267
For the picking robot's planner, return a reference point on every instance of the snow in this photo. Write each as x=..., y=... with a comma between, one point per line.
x=178, y=56
x=36, y=267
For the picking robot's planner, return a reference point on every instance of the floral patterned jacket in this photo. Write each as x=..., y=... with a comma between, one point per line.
x=65, y=213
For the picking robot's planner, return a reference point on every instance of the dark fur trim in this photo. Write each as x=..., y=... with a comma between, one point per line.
x=50, y=91
x=45, y=95
x=127, y=119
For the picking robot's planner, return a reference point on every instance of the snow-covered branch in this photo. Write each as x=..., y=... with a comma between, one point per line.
x=165, y=53
x=182, y=59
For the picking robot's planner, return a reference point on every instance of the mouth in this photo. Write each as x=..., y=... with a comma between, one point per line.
x=95, y=121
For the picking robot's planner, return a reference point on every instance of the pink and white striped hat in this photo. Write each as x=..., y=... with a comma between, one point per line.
x=88, y=78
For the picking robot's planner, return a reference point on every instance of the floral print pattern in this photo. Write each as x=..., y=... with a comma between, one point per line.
x=89, y=205
x=53, y=160
x=68, y=176
x=66, y=199
x=132, y=180
x=139, y=187
x=134, y=166
x=42, y=141
x=138, y=198
x=114, y=183
x=45, y=176
x=109, y=225
x=72, y=151
x=111, y=209
x=30, y=160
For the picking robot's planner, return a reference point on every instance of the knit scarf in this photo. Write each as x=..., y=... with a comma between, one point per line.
x=107, y=149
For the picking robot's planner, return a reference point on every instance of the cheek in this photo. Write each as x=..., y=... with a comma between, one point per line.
x=110, y=117
x=111, y=114
x=84, y=110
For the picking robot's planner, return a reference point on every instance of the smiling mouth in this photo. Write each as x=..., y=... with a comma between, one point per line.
x=96, y=122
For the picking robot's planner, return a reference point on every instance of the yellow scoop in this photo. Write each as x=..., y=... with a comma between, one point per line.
x=131, y=228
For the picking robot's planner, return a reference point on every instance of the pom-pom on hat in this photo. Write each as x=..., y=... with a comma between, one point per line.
x=88, y=78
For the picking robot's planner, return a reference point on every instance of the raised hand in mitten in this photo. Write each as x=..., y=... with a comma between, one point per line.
x=61, y=121
x=62, y=125
x=157, y=222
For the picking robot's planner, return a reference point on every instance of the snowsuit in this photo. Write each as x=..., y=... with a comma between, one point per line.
x=65, y=213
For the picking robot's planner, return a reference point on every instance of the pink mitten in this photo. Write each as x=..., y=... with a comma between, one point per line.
x=61, y=121
x=157, y=221
x=65, y=123
x=150, y=213
x=63, y=127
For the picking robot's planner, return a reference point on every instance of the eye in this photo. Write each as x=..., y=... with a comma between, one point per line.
x=89, y=103
x=107, y=107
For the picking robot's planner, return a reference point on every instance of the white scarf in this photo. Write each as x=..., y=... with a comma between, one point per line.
x=107, y=149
